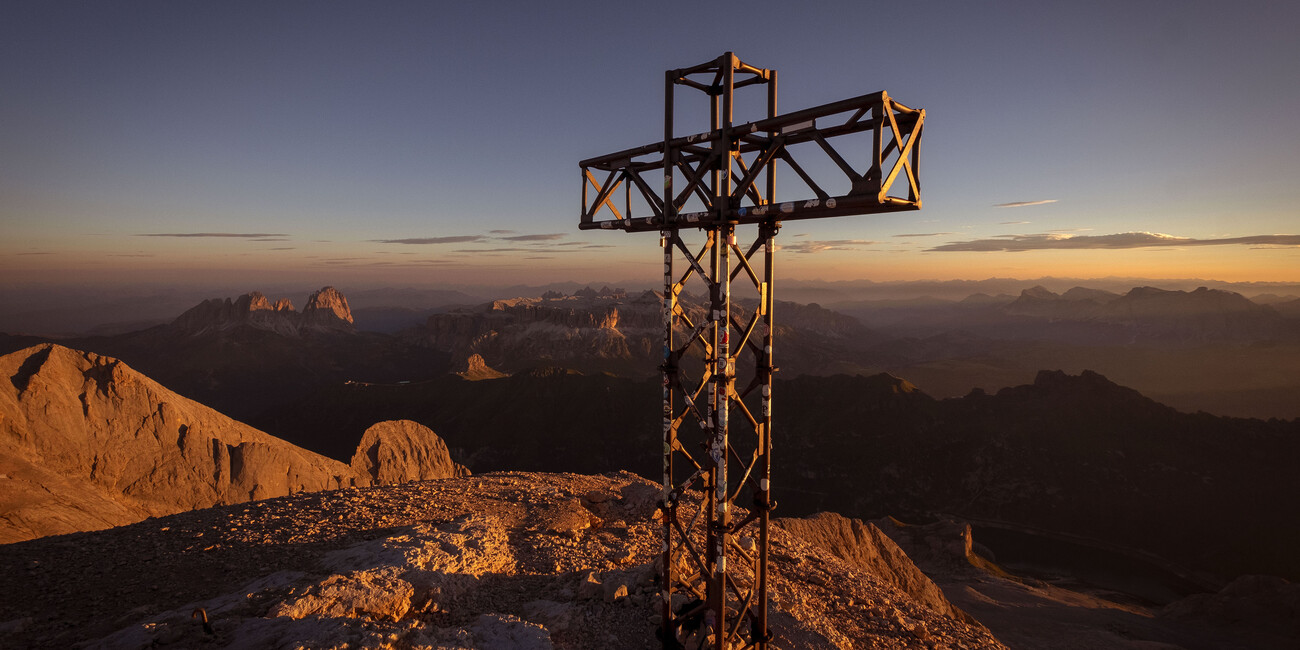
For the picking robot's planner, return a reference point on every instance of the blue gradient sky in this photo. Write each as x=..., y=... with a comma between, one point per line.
x=308, y=133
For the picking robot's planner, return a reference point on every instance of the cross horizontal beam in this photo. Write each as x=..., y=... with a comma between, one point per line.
x=717, y=498
x=890, y=183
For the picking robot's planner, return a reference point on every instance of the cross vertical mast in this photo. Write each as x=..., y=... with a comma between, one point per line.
x=717, y=435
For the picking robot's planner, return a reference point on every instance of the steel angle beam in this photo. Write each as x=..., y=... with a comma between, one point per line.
x=713, y=198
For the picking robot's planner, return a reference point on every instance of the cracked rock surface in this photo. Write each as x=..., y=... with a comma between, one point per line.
x=504, y=560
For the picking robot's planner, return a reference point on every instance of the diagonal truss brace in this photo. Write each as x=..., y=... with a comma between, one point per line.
x=717, y=496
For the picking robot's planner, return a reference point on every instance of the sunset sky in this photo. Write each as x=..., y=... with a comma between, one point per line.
x=428, y=142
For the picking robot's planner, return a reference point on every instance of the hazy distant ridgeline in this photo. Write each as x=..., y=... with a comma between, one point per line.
x=1198, y=349
x=982, y=456
x=1073, y=454
x=1060, y=454
x=1204, y=349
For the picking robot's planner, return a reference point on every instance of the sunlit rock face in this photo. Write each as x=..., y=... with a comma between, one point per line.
x=503, y=560
x=326, y=311
x=86, y=442
x=397, y=451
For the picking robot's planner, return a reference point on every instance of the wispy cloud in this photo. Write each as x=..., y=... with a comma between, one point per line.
x=515, y=249
x=1012, y=223
x=493, y=235
x=1056, y=241
x=36, y=253
x=546, y=237
x=283, y=248
x=457, y=239
x=232, y=235
x=817, y=246
x=1023, y=204
x=923, y=234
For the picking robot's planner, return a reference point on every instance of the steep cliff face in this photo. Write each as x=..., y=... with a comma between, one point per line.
x=326, y=311
x=120, y=447
x=88, y=443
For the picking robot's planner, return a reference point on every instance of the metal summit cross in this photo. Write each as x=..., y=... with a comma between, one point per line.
x=711, y=185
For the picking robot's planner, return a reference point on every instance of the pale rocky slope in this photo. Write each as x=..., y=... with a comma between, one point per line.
x=509, y=560
x=87, y=443
x=1056, y=611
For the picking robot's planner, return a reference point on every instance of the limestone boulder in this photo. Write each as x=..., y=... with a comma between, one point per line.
x=397, y=451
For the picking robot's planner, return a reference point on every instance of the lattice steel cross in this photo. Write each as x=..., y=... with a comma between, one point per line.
x=711, y=184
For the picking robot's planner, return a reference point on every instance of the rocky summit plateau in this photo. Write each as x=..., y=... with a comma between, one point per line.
x=507, y=560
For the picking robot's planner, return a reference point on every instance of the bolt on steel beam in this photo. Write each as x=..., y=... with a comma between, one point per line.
x=717, y=363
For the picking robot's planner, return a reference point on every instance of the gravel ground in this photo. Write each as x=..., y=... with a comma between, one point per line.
x=503, y=560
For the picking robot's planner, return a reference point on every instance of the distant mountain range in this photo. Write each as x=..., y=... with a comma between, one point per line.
x=243, y=355
x=1074, y=454
x=608, y=331
x=86, y=442
x=583, y=397
x=1203, y=349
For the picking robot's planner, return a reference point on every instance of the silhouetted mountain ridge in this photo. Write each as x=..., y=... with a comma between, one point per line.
x=1077, y=454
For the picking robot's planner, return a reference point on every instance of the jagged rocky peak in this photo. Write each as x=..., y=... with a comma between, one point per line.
x=1084, y=293
x=252, y=301
x=1039, y=292
x=326, y=310
x=475, y=368
x=1088, y=387
x=326, y=303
